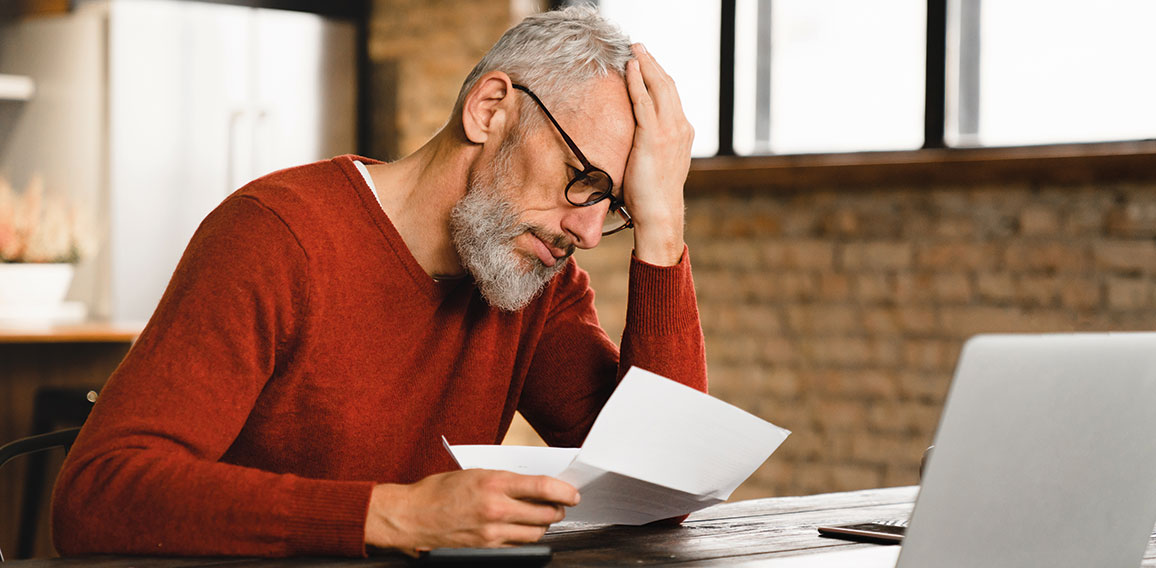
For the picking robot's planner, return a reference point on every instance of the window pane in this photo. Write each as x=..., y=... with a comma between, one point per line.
x=684, y=36
x=844, y=75
x=1064, y=71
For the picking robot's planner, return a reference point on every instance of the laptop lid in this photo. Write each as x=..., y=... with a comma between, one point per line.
x=1045, y=455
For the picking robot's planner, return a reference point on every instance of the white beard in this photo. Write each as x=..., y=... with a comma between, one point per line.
x=483, y=226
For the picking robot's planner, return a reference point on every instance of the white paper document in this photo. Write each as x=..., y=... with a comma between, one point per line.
x=658, y=449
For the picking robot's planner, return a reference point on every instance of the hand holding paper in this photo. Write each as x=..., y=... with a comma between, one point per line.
x=657, y=450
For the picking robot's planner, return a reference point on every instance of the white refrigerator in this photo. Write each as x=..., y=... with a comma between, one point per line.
x=192, y=100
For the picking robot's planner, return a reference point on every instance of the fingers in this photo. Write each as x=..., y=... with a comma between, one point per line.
x=541, y=488
x=639, y=97
x=466, y=508
x=525, y=513
x=521, y=534
x=659, y=84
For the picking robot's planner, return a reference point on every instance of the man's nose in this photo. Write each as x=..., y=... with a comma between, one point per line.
x=584, y=224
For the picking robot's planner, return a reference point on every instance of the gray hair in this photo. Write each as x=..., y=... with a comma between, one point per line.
x=556, y=54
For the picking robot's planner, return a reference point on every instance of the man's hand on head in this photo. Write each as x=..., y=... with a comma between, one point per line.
x=658, y=163
x=470, y=508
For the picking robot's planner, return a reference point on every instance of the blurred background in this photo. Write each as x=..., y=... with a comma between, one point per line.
x=873, y=182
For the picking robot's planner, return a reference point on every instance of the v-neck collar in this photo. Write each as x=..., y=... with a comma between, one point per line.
x=435, y=289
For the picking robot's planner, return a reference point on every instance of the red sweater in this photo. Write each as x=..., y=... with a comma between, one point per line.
x=300, y=354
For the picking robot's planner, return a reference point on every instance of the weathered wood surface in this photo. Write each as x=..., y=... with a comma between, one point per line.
x=720, y=536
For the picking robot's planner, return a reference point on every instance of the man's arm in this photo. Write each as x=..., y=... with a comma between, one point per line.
x=145, y=475
x=659, y=161
x=576, y=366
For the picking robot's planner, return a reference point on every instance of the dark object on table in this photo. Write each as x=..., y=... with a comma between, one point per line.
x=878, y=532
x=516, y=557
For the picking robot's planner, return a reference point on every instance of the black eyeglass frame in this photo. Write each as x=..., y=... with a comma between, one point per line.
x=616, y=206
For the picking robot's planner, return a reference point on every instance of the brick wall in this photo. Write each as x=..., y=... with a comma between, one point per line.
x=839, y=314
x=835, y=312
x=420, y=51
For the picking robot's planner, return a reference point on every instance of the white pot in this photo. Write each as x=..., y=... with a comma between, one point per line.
x=30, y=288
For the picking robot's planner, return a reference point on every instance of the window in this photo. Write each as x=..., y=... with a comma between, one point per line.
x=684, y=36
x=833, y=75
x=849, y=75
x=1053, y=71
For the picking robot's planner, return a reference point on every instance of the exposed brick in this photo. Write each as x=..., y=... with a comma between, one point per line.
x=778, y=350
x=812, y=477
x=958, y=255
x=853, y=477
x=1081, y=293
x=1129, y=293
x=995, y=286
x=856, y=356
x=1126, y=256
x=865, y=384
x=877, y=255
x=754, y=286
x=841, y=222
x=899, y=475
x=1135, y=219
x=1039, y=291
x=927, y=385
x=952, y=287
x=930, y=354
x=740, y=318
x=969, y=321
x=795, y=286
x=780, y=383
x=798, y=222
x=1039, y=220
x=1052, y=256
x=822, y=318
x=798, y=254
x=881, y=321
x=837, y=351
x=874, y=288
x=895, y=320
x=700, y=224
x=793, y=415
x=733, y=349
x=834, y=287
x=850, y=352
x=842, y=414
x=955, y=228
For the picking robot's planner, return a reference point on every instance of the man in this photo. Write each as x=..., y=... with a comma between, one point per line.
x=329, y=323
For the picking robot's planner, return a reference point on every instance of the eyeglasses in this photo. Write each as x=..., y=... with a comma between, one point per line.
x=591, y=185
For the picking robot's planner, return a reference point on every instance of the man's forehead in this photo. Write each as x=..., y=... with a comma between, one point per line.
x=603, y=124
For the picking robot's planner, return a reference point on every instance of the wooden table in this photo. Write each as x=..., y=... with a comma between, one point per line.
x=723, y=535
x=719, y=536
x=57, y=355
x=83, y=332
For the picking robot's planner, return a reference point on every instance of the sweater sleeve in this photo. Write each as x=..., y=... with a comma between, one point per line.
x=576, y=367
x=145, y=475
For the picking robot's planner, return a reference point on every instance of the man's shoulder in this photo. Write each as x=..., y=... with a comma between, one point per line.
x=311, y=194
x=314, y=181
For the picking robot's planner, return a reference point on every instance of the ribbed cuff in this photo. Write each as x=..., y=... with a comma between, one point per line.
x=661, y=298
x=328, y=518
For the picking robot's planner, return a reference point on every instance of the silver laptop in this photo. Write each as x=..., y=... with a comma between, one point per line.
x=1045, y=456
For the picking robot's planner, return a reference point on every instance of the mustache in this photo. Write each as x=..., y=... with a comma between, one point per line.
x=556, y=241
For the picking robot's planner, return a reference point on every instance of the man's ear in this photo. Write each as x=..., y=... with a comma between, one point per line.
x=489, y=107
